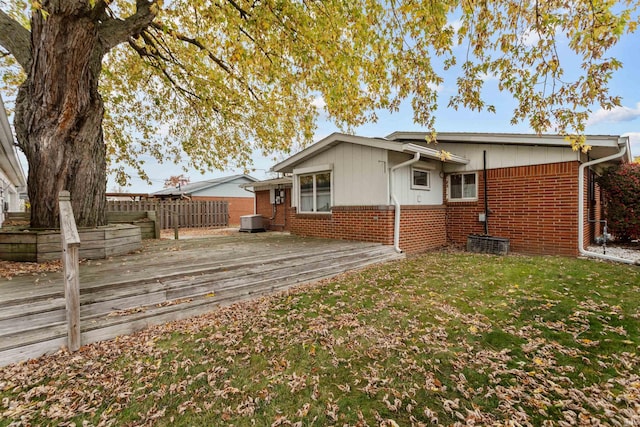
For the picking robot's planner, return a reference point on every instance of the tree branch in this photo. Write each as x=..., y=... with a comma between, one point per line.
x=16, y=39
x=221, y=63
x=115, y=31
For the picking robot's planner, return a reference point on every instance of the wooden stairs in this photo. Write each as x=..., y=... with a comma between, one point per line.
x=125, y=294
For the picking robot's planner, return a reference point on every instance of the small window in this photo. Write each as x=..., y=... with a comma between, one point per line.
x=421, y=179
x=463, y=186
x=315, y=192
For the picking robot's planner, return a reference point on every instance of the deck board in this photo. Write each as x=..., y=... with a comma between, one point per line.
x=167, y=280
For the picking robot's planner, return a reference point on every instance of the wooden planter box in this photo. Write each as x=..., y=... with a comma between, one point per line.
x=45, y=245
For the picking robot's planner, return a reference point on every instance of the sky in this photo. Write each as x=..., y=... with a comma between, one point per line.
x=623, y=120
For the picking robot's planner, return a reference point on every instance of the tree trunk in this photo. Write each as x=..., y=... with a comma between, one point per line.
x=59, y=118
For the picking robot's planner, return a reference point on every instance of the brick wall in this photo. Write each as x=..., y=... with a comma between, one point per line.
x=364, y=223
x=593, y=212
x=238, y=206
x=535, y=207
x=421, y=227
x=278, y=220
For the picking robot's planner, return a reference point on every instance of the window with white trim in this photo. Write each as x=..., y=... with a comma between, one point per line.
x=315, y=192
x=463, y=186
x=420, y=179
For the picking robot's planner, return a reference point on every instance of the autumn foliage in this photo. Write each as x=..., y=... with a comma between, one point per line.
x=621, y=187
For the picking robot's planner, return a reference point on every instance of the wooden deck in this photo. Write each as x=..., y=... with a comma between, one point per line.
x=168, y=280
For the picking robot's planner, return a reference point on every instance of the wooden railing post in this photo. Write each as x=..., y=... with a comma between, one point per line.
x=70, y=262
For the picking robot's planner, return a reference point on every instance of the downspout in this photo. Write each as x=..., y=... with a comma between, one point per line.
x=581, y=169
x=396, y=225
x=486, y=196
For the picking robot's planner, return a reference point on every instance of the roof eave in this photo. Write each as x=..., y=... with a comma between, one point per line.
x=434, y=154
x=286, y=166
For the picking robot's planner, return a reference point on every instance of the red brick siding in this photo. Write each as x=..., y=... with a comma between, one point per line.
x=364, y=223
x=535, y=207
x=266, y=209
x=422, y=228
x=238, y=206
x=592, y=212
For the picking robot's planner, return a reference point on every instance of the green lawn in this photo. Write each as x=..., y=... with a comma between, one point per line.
x=436, y=339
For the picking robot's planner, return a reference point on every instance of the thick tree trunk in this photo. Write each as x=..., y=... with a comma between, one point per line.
x=59, y=118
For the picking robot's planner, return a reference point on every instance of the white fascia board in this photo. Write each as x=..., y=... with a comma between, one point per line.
x=505, y=138
x=336, y=138
x=432, y=153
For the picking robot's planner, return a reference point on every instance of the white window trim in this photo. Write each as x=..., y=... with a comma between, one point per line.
x=313, y=170
x=420, y=187
x=462, y=199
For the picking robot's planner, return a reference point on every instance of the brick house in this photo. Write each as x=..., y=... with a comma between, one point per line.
x=225, y=189
x=402, y=191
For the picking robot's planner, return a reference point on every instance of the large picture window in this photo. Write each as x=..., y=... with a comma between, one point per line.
x=463, y=186
x=315, y=192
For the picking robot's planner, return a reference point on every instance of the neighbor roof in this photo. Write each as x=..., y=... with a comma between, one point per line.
x=201, y=185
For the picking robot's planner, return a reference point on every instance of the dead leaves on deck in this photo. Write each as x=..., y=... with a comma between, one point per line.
x=376, y=348
x=9, y=269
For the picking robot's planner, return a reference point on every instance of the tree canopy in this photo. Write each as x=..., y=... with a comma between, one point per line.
x=219, y=79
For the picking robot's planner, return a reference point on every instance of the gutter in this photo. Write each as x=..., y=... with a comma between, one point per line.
x=396, y=224
x=622, y=151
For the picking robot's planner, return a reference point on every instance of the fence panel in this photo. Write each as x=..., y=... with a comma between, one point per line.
x=190, y=213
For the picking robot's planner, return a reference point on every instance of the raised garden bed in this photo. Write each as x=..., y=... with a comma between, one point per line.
x=44, y=245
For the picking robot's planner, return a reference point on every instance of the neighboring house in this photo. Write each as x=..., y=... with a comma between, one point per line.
x=524, y=188
x=12, y=179
x=241, y=202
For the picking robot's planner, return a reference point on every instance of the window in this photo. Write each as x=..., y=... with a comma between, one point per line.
x=315, y=192
x=462, y=186
x=421, y=179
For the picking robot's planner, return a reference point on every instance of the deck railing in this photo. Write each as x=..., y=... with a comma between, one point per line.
x=70, y=263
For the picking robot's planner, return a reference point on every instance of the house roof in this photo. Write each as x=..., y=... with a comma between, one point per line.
x=8, y=157
x=268, y=184
x=412, y=142
x=201, y=185
x=336, y=138
x=601, y=145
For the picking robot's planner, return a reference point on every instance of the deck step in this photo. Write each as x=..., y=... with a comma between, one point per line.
x=116, y=307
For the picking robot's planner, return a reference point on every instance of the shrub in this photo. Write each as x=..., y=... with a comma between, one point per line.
x=621, y=189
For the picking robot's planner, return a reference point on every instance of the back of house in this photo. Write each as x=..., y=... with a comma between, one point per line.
x=402, y=191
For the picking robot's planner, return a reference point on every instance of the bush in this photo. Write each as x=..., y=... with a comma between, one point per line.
x=621, y=188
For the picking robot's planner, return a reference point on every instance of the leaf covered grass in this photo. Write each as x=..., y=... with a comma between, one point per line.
x=438, y=339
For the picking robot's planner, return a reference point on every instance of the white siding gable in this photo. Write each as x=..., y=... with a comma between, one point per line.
x=359, y=174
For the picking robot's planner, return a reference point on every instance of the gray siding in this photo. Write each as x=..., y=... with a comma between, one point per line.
x=228, y=189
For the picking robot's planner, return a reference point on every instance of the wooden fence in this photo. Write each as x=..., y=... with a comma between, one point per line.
x=196, y=214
